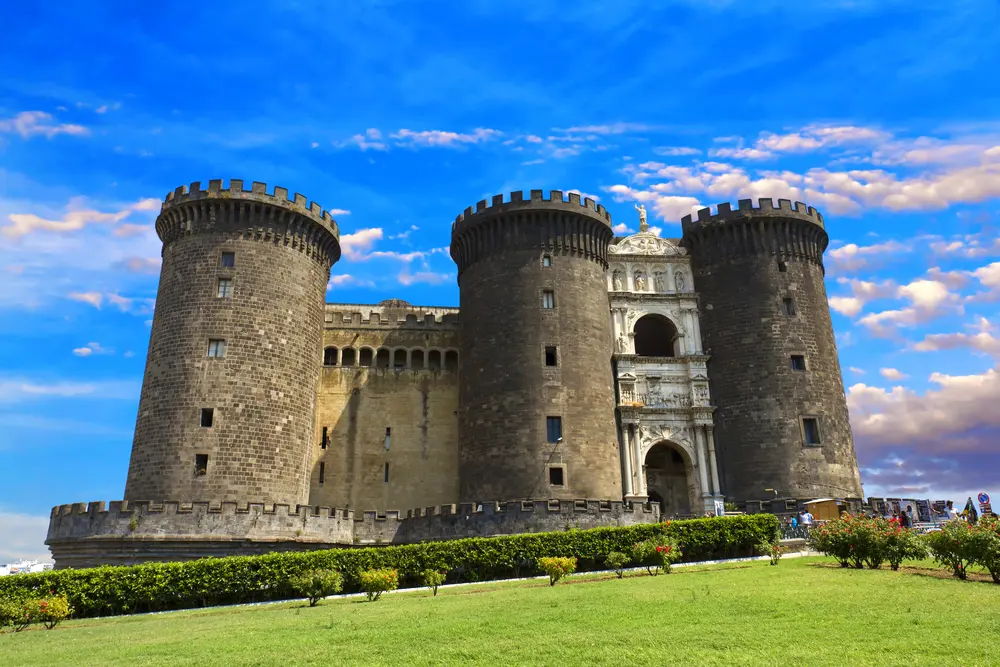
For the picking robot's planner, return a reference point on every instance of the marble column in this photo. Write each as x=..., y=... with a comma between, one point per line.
x=696, y=331
x=640, y=486
x=626, y=461
x=711, y=460
x=699, y=444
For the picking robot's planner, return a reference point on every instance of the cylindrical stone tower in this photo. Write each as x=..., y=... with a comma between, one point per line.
x=536, y=402
x=781, y=421
x=235, y=353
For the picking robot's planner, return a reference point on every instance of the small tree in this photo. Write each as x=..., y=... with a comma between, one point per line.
x=771, y=549
x=51, y=611
x=557, y=567
x=317, y=584
x=953, y=546
x=376, y=582
x=656, y=553
x=433, y=579
x=902, y=544
x=986, y=545
x=616, y=560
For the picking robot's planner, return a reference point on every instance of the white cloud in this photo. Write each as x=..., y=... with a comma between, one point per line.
x=91, y=349
x=429, y=277
x=74, y=220
x=612, y=128
x=622, y=228
x=851, y=257
x=370, y=140
x=23, y=537
x=344, y=280
x=815, y=137
x=339, y=211
x=95, y=299
x=149, y=265
x=941, y=420
x=667, y=207
x=981, y=339
x=862, y=293
x=676, y=151
x=356, y=245
x=38, y=123
x=741, y=153
x=856, y=370
x=929, y=299
x=583, y=195
x=19, y=390
x=440, y=138
x=892, y=374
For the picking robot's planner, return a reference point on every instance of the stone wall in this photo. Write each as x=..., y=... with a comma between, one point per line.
x=508, y=255
x=413, y=400
x=124, y=533
x=262, y=389
x=746, y=263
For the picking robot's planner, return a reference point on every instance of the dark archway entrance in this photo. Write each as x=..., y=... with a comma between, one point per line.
x=655, y=336
x=667, y=479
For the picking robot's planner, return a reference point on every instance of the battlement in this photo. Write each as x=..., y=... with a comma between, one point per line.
x=536, y=201
x=745, y=209
x=123, y=532
x=394, y=314
x=257, y=192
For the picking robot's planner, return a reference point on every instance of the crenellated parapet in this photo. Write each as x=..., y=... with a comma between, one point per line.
x=555, y=223
x=391, y=314
x=254, y=214
x=122, y=532
x=787, y=231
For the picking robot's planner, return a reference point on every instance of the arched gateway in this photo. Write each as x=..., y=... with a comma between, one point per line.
x=670, y=479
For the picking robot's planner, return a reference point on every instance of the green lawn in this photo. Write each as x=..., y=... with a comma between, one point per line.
x=803, y=612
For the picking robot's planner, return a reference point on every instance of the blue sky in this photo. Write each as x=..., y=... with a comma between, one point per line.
x=399, y=114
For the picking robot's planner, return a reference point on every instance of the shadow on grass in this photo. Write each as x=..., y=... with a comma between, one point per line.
x=913, y=570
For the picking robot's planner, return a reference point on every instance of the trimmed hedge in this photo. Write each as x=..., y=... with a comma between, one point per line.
x=111, y=590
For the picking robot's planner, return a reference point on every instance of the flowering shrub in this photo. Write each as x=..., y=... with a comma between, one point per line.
x=902, y=544
x=557, y=567
x=656, y=553
x=317, y=584
x=376, y=582
x=859, y=541
x=771, y=549
x=432, y=579
x=987, y=545
x=954, y=547
x=616, y=560
x=50, y=611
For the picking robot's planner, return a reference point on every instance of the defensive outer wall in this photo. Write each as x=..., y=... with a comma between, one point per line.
x=532, y=275
x=759, y=273
x=124, y=533
x=248, y=269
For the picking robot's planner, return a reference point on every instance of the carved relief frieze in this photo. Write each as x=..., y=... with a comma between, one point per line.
x=645, y=243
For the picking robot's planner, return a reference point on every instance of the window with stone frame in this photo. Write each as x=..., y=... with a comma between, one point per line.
x=200, y=465
x=810, y=431
x=553, y=429
x=557, y=476
x=216, y=348
x=548, y=299
x=227, y=260
x=225, y=288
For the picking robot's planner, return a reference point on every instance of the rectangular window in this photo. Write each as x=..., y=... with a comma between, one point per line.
x=322, y=472
x=546, y=260
x=553, y=428
x=388, y=436
x=225, y=288
x=207, y=417
x=216, y=348
x=548, y=299
x=200, y=465
x=798, y=362
x=326, y=438
x=556, y=477
x=385, y=473
x=789, y=305
x=227, y=260
x=810, y=430
x=550, y=356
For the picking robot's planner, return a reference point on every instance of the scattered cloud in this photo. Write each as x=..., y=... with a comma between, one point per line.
x=613, y=128
x=862, y=293
x=856, y=370
x=676, y=151
x=370, y=140
x=892, y=374
x=356, y=245
x=148, y=265
x=91, y=349
x=75, y=219
x=405, y=277
x=95, y=299
x=339, y=212
x=23, y=537
x=929, y=299
x=19, y=390
x=851, y=258
x=980, y=339
x=133, y=306
x=441, y=138
x=345, y=280
x=39, y=123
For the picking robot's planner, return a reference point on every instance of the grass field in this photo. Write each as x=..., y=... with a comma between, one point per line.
x=806, y=611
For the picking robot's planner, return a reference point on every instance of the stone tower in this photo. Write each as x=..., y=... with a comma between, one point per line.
x=536, y=402
x=235, y=354
x=781, y=421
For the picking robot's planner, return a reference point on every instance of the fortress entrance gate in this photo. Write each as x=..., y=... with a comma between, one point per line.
x=670, y=480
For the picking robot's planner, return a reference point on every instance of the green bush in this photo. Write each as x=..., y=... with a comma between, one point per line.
x=557, y=567
x=901, y=544
x=49, y=611
x=432, y=579
x=657, y=553
x=987, y=545
x=772, y=550
x=106, y=591
x=376, y=582
x=315, y=585
x=13, y=613
x=954, y=547
x=617, y=561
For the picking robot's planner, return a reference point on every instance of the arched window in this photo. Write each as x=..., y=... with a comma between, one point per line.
x=417, y=359
x=347, y=356
x=330, y=356
x=366, y=356
x=434, y=360
x=382, y=358
x=451, y=360
x=655, y=336
x=399, y=359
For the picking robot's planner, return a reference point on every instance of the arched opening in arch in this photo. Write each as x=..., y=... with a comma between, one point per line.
x=434, y=360
x=366, y=356
x=451, y=360
x=382, y=358
x=668, y=475
x=656, y=336
x=348, y=356
x=417, y=359
x=330, y=356
x=399, y=359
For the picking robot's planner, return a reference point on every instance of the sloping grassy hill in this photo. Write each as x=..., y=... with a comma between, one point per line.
x=806, y=611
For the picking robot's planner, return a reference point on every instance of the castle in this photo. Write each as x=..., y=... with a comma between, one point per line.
x=586, y=380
